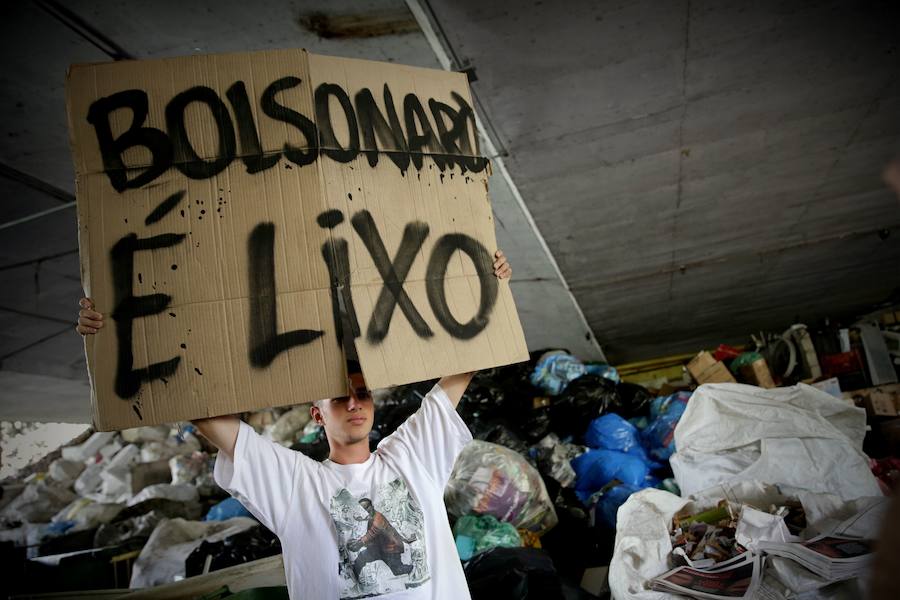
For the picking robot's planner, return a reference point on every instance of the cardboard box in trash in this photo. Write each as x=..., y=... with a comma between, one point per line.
x=706, y=369
x=231, y=207
x=757, y=373
x=881, y=401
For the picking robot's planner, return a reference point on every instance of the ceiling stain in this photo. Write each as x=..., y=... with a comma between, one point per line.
x=360, y=25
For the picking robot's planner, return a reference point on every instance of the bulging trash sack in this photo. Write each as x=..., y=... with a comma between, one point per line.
x=555, y=369
x=182, y=493
x=608, y=503
x=249, y=545
x=121, y=531
x=38, y=502
x=799, y=438
x=658, y=437
x=227, y=509
x=612, y=432
x=155, y=433
x=631, y=400
x=596, y=468
x=513, y=574
x=489, y=479
x=484, y=532
x=163, y=557
x=644, y=548
x=65, y=471
x=84, y=513
x=90, y=447
x=288, y=429
x=554, y=459
x=90, y=480
x=186, y=469
x=585, y=399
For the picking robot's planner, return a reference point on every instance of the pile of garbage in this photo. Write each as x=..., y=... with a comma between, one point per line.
x=745, y=540
x=145, y=496
x=775, y=487
x=559, y=445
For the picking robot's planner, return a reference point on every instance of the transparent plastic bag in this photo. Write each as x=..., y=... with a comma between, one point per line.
x=489, y=479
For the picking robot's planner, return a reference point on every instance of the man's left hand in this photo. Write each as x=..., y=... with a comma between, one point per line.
x=501, y=266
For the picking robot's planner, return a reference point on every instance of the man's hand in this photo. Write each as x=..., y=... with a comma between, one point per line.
x=221, y=431
x=501, y=266
x=89, y=321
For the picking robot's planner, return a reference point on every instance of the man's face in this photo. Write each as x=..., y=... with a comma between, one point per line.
x=347, y=419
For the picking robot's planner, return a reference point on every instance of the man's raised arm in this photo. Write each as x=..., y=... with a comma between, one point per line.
x=221, y=431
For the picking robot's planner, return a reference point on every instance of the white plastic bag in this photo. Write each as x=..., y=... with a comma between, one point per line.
x=286, y=430
x=156, y=433
x=162, y=558
x=87, y=514
x=90, y=447
x=643, y=541
x=38, y=502
x=89, y=481
x=180, y=493
x=65, y=472
x=799, y=438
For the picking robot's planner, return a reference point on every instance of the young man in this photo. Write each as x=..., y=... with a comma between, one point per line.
x=360, y=524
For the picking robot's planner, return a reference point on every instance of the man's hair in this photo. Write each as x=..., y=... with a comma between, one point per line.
x=352, y=368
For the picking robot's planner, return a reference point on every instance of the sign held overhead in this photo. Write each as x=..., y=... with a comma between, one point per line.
x=230, y=205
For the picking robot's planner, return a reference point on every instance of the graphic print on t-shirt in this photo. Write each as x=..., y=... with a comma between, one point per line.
x=381, y=541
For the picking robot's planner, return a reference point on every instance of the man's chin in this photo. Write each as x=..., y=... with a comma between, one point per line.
x=357, y=437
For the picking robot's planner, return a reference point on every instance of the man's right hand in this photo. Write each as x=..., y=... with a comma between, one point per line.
x=221, y=431
x=89, y=321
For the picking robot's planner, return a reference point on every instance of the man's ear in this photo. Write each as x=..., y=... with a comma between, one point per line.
x=316, y=413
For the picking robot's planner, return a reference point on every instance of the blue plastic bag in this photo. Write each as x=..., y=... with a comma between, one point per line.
x=554, y=370
x=612, y=432
x=226, y=509
x=596, y=468
x=608, y=504
x=659, y=437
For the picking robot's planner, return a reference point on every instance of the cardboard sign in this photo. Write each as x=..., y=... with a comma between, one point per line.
x=229, y=205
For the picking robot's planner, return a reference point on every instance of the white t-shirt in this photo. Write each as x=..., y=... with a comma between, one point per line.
x=360, y=530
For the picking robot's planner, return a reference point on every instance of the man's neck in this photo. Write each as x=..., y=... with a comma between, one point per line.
x=349, y=454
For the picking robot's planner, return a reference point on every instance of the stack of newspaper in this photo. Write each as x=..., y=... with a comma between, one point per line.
x=832, y=557
x=738, y=577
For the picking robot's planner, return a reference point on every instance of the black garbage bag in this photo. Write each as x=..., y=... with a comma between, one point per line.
x=506, y=396
x=513, y=574
x=573, y=544
x=170, y=509
x=536, y=424
x=504, y=436
x=633, y=400
x=120, y=531
x=317, y=450
x=240, y=548
x=583, y=400
x=485, y=400
x=395, y=408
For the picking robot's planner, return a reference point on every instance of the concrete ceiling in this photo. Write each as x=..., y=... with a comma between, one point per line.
x=697, y=170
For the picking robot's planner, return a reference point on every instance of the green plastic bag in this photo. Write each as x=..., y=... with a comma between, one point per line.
x=477, y=533
x=747, y=358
